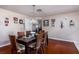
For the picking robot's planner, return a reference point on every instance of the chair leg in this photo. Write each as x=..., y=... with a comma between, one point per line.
x=29, y=50
x=32, y=51
x=42, y=49
x=36, y=52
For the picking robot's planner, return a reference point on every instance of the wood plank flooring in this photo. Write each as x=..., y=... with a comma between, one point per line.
x=60, y=47
x=5, y=50
x=54, y=47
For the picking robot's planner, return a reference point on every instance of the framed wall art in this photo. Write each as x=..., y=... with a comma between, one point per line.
x=46, y=23
x=6, y=24
x=71, y=23
x=53, y=22
x=15, y=20
x=20, y=21
x=6, y=21
x=61, y=25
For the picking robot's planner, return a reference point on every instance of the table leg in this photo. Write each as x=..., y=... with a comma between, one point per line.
x=26, y=49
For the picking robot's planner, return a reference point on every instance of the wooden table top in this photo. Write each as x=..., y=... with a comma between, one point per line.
x=26, y=39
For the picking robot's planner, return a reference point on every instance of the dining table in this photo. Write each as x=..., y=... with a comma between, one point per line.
x=26, y=41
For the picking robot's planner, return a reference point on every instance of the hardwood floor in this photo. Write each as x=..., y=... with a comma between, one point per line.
x=60, y=47
x=54, y=47
x=5, y=50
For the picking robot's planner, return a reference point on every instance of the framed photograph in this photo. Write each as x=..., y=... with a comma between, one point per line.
x=15, y=20
x=46, y=23
x=20, y=21
x=7, y=18
x=6, y=24
x=53, y=22
x=61, y=24
x=6, y=21
x=71, y=23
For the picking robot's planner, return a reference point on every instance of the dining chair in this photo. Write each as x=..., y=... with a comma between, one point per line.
x=15, y=47
x=28, y=33
x=45, y=42
x=37, y=46
x=20, y=34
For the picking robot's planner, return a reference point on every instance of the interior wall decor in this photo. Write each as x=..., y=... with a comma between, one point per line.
x=15, y=20
x=61, y=24
x=46, y=23
x=71, y=23
x=53, y=22
x=20, y=21
x=6, y=21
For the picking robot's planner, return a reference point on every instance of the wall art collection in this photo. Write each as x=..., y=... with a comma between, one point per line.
x=46, y=23
x=15, y=20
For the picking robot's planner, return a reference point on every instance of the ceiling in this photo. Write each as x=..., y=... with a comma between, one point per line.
x=47, y=10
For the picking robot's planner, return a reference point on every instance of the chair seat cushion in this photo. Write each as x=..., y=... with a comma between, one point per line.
x=21, y=47
x=32, y=45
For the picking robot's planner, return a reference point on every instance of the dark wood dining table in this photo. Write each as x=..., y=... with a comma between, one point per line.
x=26, y=41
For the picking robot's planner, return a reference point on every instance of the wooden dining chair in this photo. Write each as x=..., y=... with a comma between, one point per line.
x=45, y=42
x=15, y=48
x=20, y=34
x=28, y=33
x=37, y=46
x=45, y=37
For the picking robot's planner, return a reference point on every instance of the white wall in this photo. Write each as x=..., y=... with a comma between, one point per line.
x=67, y=33
x=28, y=25
x=11, y=28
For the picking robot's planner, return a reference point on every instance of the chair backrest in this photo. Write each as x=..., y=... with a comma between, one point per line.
x=43, y=32
x=46, y=38
x=20, y=34
x=13, y=43
x=28, y=33
x=39, y=40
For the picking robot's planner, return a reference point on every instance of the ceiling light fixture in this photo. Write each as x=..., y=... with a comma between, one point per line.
x=34, y=16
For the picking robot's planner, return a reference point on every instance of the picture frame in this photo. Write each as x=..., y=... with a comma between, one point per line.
x=20, y=21
x=7, y=18
x=15, y=20
x=6, y=21
x=6, y=24
x=53, y=22
x=61, y=24
x=71, y=23
x=46, y=23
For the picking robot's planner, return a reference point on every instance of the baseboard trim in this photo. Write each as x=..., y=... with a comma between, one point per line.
x=60, y=40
